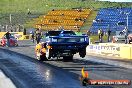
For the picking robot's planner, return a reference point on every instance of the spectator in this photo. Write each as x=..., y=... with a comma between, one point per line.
x=100, y=33
x=38, y=35
x=125, y=31
x=24, y=31
x=108, y=34
x=88, y=32
x=7, y=35
x=32, y=36
x=29, y=12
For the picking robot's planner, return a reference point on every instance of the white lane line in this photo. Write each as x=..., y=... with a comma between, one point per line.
x=5, y=82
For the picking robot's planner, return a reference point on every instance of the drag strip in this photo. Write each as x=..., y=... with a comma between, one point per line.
x=28, y=73
x=31, y=72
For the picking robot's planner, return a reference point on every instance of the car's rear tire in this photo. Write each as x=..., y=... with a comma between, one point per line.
x=68, y=58
x=82, y=53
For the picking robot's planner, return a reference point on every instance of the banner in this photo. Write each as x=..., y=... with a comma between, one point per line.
x=124, y=51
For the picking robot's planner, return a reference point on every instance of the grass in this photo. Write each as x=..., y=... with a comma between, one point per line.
x=95, y=38
x=19, y=9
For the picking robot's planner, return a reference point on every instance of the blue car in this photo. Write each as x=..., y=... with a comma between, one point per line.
x=64, y=43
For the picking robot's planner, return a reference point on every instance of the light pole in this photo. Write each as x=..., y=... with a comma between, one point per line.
x=10, y=18
x=127, y=19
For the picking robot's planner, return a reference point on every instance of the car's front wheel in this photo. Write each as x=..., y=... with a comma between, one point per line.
x=41, y=57
x=48, y=53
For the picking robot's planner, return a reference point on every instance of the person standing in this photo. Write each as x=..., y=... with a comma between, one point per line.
x=108, y=34
x=99, y=34
x=32, y=36
x=125, y=31
x=7, y=35
x=38, y=35
x=88, y=33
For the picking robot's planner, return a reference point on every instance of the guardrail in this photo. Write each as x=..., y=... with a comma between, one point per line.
x=123, y=51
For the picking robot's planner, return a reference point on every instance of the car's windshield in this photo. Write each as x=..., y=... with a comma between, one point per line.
x=69, y=32
x=53, y=33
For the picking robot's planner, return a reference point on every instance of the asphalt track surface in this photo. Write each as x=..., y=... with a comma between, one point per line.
x=25, y=71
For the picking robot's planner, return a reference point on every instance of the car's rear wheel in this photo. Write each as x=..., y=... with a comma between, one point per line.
x=82, y=53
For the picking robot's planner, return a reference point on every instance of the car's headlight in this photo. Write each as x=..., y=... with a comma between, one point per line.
x=82, y=40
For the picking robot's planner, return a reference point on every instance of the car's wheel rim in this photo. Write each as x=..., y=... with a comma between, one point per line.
x=47, y=54
x=38, y=56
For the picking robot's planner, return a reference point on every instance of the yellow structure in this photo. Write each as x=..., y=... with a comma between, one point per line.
x=68, y=19
x=18, y=35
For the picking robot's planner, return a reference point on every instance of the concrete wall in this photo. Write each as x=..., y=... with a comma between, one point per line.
x=123, y=51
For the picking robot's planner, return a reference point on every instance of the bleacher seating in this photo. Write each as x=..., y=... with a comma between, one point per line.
x=110, y=17
x=68, y=19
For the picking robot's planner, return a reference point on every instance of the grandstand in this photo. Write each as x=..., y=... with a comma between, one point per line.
x=68, y=19
x=112, y=18
x=19, y=13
